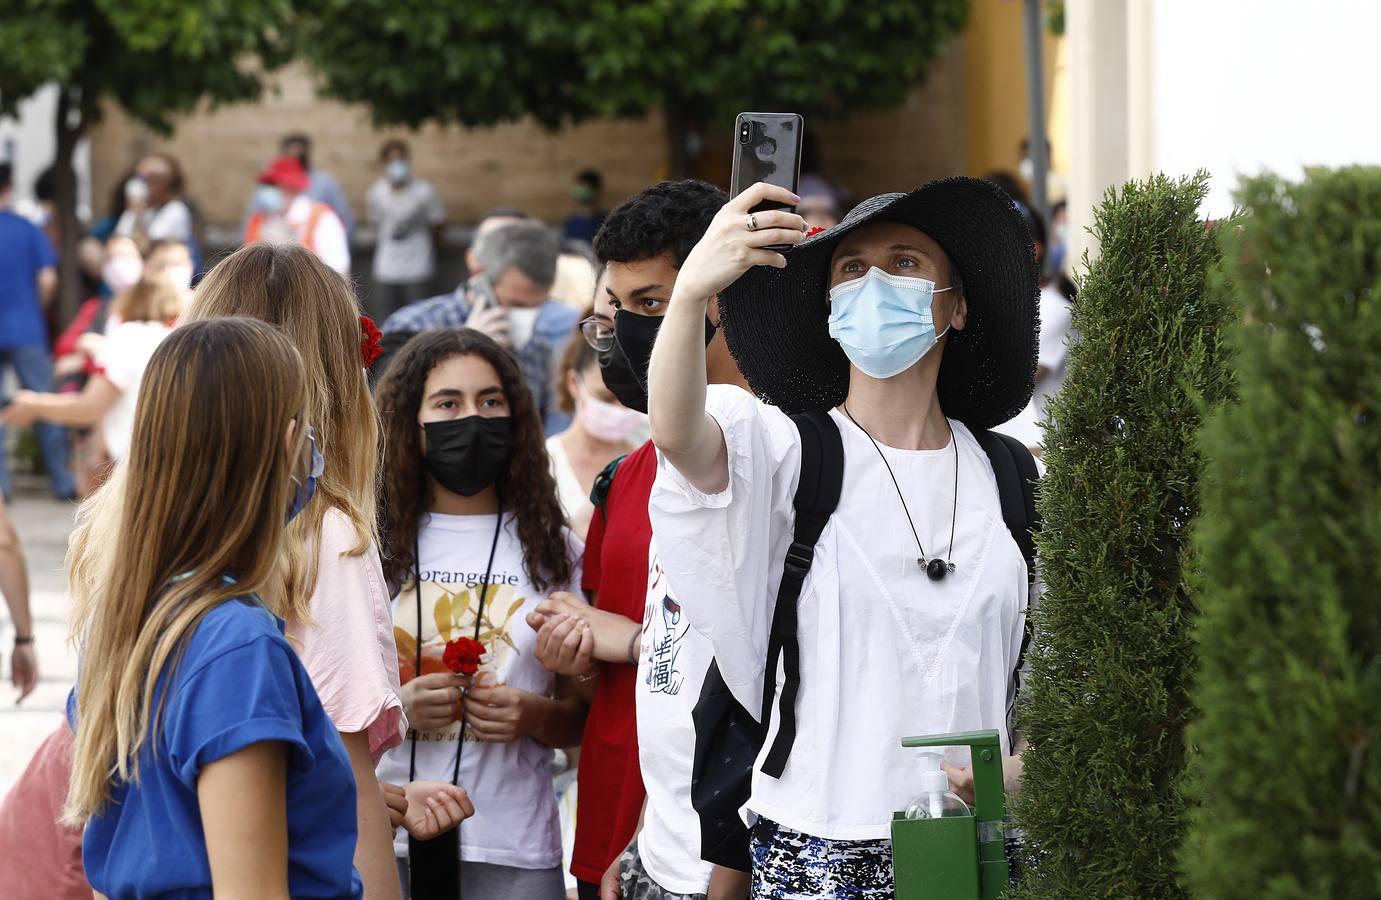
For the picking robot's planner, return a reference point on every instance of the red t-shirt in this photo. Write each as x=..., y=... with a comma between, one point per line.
x=610, y=799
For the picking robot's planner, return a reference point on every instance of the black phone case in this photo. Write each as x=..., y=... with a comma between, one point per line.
x=768, y=150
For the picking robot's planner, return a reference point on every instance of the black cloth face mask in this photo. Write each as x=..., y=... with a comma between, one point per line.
x=468, y=455
x=624, y=366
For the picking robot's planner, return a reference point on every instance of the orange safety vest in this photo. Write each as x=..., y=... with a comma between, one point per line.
x=307, y=236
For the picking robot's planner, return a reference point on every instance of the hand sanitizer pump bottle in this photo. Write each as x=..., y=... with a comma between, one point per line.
x=936, y=800
x=941, y=848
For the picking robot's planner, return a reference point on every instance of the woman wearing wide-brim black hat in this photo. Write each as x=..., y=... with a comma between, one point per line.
x=912, y=325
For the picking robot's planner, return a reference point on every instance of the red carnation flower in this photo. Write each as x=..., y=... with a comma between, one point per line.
x=463, y=655
x=370, y=347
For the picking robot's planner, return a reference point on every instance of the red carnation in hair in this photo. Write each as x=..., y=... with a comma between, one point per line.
x=370, y=347
x=463, y=655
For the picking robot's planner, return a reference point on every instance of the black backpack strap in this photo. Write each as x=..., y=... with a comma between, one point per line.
x=817, y=496
x=1017, y=484
x=1017, y=480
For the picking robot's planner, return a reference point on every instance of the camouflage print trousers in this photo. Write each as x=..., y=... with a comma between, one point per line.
x=636, y=884
x=788, y=865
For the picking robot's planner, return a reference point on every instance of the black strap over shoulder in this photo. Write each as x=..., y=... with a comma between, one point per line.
x=817, y=497
x=1017, y=482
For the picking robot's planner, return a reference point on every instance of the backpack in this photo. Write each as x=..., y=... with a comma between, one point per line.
x=728, y=737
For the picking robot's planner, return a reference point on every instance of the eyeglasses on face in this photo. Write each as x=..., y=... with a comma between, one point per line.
x=598, y=333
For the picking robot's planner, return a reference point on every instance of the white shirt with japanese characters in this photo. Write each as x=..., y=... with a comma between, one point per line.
x=671, y=671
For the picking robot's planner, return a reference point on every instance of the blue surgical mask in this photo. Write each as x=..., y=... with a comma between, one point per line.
x=307, y=489
x=883, y=321
x=398, y=170
x=268, y=198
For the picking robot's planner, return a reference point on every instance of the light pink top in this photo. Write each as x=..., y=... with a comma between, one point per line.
x=348, y=647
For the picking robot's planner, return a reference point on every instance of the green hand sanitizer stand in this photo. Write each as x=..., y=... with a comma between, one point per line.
x=948, y=852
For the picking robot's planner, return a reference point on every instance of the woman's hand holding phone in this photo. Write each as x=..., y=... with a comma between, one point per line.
x=739, y=238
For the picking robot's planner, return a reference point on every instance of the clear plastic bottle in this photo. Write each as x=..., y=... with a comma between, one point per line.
x=936, y=800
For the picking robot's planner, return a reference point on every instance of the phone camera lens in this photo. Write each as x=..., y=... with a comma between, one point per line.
x=744, y=134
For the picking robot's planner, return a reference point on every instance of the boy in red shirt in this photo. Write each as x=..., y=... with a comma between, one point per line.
x=642, y=244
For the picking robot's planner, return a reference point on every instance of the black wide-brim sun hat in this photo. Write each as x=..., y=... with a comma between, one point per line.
x=776, y=321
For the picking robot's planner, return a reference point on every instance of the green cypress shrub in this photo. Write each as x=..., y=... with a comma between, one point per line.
x=1108, y=699
x=1288, y=762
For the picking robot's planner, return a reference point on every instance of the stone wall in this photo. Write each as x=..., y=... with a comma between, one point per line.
x=518, y=164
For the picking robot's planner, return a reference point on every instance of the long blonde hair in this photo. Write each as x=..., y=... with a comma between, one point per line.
x=204, y=491
x=288, y=286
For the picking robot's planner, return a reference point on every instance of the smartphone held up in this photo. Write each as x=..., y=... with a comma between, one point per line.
x=767, y=147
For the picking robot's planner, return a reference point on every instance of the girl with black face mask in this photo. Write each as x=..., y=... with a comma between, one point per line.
x=475, y=540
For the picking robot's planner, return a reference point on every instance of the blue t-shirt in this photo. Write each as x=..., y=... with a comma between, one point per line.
x=24, y=252
x=238, y=683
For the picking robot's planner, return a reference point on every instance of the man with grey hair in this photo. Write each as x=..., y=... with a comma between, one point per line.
x=507, y=296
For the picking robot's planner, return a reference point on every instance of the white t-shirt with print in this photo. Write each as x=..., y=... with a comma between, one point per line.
x=515, y=821
x=122, y=359
x=885, y=652
x=671, y=671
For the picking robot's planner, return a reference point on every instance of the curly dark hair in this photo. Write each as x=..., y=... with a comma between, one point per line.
x=669, y=217
x=529, y=491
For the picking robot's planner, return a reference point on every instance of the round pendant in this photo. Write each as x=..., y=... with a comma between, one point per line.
x=937, y=569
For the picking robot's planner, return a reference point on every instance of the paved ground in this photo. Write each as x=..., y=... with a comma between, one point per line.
x=43, y=525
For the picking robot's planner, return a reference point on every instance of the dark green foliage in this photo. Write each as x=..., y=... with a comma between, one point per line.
x=1289, y=744
x=1108, y=698
x=153, y=57
x=478, y=62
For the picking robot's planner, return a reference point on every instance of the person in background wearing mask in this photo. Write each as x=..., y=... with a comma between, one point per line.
x=28, y=281
x=77, y=347
x=408, y=214
x=910, y=328
x=474, y=538
x=154, y=207
x=650, y=664
x=171, y=260
x=146, y=312
x=508, y=298
x=602, y=430
x=583, y=224
x=286, y=214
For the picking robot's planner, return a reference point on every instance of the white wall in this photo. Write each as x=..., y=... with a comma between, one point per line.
x=1241, y=87
x=29, y=142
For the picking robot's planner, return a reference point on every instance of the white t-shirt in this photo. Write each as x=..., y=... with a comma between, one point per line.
x=122, y=359
x=515, y=821
x=671, y=672
x=1056, y=311
x=405, y=217
x=885, y=652
x=574, y=496
x=170, y=222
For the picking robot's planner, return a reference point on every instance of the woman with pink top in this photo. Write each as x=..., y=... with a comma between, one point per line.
x=344, y=634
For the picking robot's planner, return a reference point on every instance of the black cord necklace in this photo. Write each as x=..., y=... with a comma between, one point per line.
x=936, y=569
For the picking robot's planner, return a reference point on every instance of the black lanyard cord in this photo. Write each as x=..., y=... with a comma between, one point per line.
x=479, y=621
